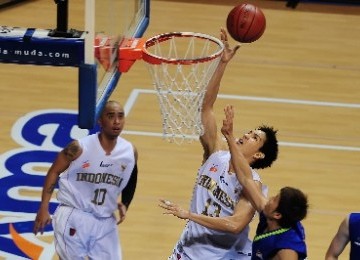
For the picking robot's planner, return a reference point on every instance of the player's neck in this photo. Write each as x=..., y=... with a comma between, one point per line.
x=272, y=225
x=107, y=143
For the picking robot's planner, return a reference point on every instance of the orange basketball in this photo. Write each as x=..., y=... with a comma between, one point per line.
x=246, y=23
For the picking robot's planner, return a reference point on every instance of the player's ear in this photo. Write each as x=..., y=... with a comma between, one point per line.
x=259, y=155
x=276, y=215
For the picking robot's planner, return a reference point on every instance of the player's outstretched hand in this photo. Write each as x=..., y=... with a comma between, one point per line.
x=173, y=209
x=227, y=127
x=228, y=52
x=122, y=212
x=42, y=219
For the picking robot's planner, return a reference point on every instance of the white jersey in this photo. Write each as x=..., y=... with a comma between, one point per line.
x=216, y=193
x=93, y=182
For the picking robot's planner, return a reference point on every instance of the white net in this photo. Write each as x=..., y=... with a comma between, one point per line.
x=185, y=63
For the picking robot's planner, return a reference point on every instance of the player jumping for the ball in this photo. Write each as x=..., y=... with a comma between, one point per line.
x=219, y=215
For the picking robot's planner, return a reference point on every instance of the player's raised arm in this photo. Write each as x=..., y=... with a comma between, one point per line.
x=240, y=164
x=210, y=136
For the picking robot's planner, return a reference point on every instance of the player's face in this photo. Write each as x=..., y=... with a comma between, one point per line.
x=251, y=142
x=271, y=206
x=112, y=120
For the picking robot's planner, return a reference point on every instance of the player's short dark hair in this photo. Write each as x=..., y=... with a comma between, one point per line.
x=270, y=148
x=108, y=102
x=293, y=206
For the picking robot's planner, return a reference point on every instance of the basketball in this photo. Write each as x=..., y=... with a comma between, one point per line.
x=246, y=23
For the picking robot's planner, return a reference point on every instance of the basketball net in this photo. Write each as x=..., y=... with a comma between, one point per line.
x=181, y=65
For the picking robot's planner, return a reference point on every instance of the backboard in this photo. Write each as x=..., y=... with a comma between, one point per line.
x=93, y=50
x=107, y=23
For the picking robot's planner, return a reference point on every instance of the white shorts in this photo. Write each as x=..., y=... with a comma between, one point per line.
x=80, y=234
x=179, y=254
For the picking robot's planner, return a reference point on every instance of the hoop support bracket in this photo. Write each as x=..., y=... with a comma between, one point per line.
x=129, y=51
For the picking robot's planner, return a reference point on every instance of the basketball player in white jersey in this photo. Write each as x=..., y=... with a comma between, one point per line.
x=97, y=176
x=219, y=215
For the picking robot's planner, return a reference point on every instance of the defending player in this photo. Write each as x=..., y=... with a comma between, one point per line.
x=279, y=234
x=219, y=215
x=94, y=172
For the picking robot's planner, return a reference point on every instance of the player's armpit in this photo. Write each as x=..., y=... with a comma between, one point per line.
x=286, y=254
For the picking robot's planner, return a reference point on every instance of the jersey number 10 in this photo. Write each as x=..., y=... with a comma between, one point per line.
x=99, y=196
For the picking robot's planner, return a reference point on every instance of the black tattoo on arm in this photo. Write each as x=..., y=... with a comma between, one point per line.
x=71, y=150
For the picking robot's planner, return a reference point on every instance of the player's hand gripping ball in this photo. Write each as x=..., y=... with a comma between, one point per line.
x=246, y=23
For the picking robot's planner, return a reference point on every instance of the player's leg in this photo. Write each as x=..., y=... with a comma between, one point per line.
x=106, y=244
x=69, y=243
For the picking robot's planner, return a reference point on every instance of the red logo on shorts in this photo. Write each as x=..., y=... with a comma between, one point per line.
x=72, y=231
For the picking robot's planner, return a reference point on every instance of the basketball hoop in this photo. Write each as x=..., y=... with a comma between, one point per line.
x=181, y=65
